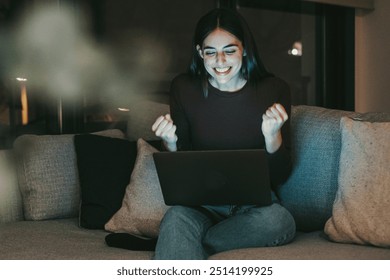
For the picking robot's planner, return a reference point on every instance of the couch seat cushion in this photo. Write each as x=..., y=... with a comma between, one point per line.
x=308, y=246
x=63, y=240
x=60, y=239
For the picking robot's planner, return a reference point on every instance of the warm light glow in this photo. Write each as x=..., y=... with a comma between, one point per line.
x=124, y=109
x=23, y=99
x=24, y=102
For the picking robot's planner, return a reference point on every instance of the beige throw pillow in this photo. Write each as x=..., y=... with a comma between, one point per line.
x=362, y=205
x=143, y=205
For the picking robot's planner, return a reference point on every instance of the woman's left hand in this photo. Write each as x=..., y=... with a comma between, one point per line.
x=273, y=120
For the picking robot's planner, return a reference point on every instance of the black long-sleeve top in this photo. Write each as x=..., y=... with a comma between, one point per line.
x=230, y=120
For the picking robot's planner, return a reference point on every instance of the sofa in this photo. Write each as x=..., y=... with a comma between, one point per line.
x=338, y=191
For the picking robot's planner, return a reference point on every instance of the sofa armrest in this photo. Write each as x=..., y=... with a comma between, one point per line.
x=10, y=197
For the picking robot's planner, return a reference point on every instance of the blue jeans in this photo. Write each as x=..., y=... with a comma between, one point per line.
x=198, y=232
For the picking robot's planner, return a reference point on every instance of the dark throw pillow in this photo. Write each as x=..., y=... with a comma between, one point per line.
x=105, y=165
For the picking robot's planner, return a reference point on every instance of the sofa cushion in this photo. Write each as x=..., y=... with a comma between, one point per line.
x=104, y=165
x=143, y=205
x=48, y=177
x=10, y=197
x=62, y=239
x=307, y=246
x=362, y=206
x=59, y=239
x=316, y=143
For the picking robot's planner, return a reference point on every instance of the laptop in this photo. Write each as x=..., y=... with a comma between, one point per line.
x=194, y=178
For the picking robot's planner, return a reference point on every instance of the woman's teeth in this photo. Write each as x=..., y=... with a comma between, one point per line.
x=222, y=70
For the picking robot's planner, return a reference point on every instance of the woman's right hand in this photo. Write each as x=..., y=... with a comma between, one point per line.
x=164, y=128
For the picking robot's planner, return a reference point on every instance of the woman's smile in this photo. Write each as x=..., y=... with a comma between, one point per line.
x=223, y=70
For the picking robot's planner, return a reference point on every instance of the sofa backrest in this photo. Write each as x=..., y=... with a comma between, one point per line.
x=309, y=192
x=316, y=142
x=315, y=146
x=10, y=197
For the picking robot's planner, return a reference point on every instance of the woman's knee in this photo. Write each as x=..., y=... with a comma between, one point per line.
x=186, y=218
x=180, y=235
x=175, y=215
x=281, y=224
x=254, y=227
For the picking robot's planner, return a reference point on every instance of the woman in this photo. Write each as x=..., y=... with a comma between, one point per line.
x=226, y=101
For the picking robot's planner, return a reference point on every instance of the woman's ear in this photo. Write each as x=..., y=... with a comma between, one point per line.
x=200, y=52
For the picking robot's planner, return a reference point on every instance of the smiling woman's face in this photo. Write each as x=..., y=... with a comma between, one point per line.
x=222, y=56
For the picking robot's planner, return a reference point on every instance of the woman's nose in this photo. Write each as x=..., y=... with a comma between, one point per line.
x=221, y=58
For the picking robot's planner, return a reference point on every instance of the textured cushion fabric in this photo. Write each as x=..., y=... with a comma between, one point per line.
x=316, y=143
x=47, y=174
x=104, y=165
x=307, y=246
x=372, y=117
x=59, y=239
x=10, y=197
x=143, y=205
x=362, y=206
x=141, y=118
x=62, y=239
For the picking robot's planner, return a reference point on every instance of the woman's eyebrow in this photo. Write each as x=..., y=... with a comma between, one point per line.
x=225, y=47
x=230, y=45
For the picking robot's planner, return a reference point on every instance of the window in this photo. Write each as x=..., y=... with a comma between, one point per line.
x=309, y=45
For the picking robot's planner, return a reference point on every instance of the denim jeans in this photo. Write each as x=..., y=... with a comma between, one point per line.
x=198, y=232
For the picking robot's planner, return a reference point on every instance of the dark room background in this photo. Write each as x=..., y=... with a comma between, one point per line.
x=72, y=66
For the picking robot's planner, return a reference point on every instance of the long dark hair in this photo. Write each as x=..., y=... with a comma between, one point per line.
x=252, y=68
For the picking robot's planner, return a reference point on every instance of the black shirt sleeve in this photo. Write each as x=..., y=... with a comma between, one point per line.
x=280, y=161
x=179, y=117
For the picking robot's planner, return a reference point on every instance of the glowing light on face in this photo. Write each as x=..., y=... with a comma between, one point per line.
x=222, y=56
